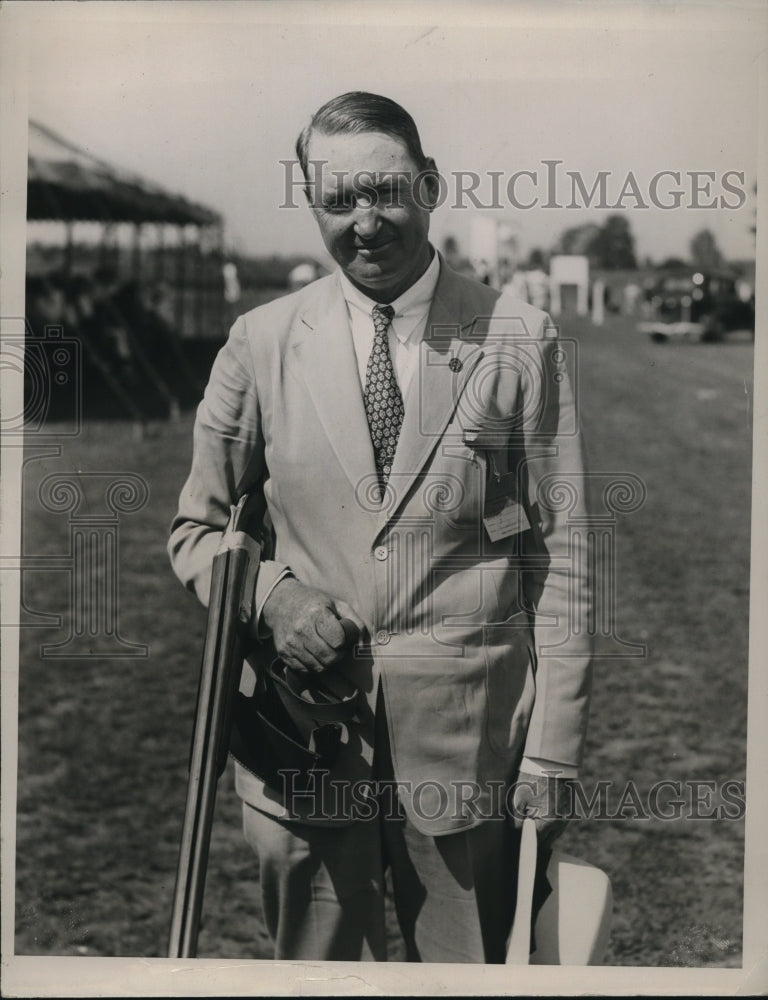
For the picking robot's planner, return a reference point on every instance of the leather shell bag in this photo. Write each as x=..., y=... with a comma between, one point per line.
x=292, y=722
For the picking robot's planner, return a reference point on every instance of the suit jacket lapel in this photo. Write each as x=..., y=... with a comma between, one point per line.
x=325, y=357
x=436, y=388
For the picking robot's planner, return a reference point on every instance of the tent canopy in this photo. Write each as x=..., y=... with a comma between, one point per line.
x=67, y=183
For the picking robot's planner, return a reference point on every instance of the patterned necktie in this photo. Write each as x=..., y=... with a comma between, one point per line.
x=383, y=399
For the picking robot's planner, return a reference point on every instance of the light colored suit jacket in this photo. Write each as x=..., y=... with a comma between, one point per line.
x=470, y=612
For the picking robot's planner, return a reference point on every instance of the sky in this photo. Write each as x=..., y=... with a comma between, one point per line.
x=207, y=99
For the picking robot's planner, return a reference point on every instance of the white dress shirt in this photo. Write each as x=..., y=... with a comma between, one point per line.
x=406, y=330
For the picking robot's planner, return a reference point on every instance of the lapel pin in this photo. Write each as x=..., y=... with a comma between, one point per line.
x=455, y=364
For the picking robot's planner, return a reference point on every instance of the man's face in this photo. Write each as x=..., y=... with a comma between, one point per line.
x=374, y=223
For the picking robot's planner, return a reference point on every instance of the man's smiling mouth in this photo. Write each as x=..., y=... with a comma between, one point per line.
x=372, y=249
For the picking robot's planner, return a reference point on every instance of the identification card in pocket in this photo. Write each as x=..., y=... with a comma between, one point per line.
x=510, y=520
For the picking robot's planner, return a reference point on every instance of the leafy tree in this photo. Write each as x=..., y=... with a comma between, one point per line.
x=609, y=247
x=705, y=252
x=577, y=239
x=613, y=247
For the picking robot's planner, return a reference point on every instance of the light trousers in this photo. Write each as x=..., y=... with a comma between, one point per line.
x=323, y=888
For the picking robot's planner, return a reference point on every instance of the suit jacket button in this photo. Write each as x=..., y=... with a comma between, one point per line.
x=381, y=553
x=382, y=637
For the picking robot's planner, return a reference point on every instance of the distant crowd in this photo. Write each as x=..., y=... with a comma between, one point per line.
x=132, y=363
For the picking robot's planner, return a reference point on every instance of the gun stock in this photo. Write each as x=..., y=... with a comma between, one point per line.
x=232, y=577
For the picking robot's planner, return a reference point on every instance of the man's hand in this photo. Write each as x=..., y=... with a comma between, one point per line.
x=305, y=626
x=547, y=800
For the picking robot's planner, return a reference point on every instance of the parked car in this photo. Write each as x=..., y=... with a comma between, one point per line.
x=696, y=305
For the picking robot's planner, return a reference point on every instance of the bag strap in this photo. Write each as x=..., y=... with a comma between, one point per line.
x=518, y=949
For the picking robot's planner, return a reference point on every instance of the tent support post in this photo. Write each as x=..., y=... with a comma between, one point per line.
x=181, y=280
x=160, y=255
x=200, y=282
x=69, y=247
x=136, y=262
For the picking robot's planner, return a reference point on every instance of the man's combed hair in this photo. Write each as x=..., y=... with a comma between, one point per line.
x=357, y=112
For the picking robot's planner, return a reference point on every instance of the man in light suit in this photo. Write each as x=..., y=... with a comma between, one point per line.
x=413, y=432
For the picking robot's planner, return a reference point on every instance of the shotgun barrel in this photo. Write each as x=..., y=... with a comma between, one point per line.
x=232, y=578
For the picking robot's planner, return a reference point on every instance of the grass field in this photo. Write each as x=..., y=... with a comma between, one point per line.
x=103, y=742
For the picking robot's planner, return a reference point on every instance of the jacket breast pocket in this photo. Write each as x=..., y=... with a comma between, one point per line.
x=465, y=488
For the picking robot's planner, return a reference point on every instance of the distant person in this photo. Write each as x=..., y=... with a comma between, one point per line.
x=157, y=296
x=45, y=312
x=232, y=289
x=631, y=298
x=45, y=301
x=402, y=422
x=517, y=286
x=301, y=275
x=106, y=326
x=483, y=271
x=537, y=281
x=79, y=293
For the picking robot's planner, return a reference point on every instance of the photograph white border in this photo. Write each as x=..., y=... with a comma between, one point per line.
x=24, y=976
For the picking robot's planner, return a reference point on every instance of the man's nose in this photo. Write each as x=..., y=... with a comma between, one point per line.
x=366, y=219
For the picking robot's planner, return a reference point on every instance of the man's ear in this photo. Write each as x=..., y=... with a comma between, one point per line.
x=429, y=185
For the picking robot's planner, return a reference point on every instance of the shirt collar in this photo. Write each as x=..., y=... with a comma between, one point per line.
x=412, y=303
